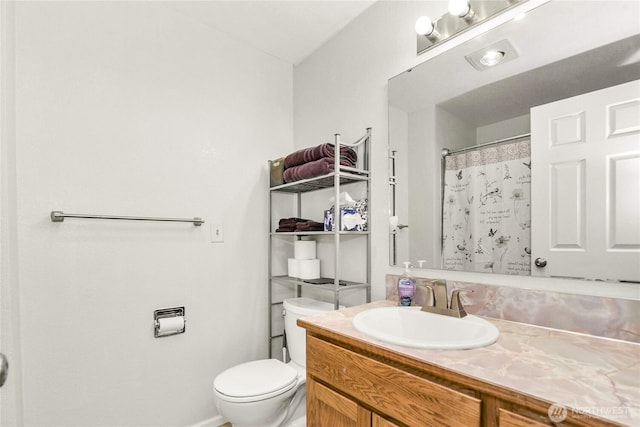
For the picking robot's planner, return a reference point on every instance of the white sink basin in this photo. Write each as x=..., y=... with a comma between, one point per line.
x=411, y=327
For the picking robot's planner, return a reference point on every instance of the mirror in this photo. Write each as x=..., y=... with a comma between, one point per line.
x=558, y=52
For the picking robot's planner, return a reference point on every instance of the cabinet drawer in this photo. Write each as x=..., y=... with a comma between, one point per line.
x=509, y=419
x=388, y=390
x=378, y=421
x=328, y=408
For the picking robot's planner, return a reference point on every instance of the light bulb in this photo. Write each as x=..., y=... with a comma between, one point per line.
x=492, y=57
x=424, y=26
x=459, y=7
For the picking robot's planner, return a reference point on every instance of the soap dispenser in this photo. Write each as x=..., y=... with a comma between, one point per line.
x=406, y=286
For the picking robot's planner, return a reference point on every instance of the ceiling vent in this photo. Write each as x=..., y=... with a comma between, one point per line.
x=492, y=55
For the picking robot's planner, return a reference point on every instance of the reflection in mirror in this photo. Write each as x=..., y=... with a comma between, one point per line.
x=530, y=167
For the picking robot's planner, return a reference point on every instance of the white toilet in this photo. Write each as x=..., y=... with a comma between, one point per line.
x=268, y=392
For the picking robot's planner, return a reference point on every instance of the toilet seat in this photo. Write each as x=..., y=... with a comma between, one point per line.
x=254, y=381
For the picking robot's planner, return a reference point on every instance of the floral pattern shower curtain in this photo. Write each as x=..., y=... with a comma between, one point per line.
x=486, y=213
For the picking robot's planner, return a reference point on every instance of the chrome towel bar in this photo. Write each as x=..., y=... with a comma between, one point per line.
x=59, y=216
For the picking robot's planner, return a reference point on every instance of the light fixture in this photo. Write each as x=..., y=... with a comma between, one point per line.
x=425, y=27
x=461, y=9
x=492, y=57
x=462, y=15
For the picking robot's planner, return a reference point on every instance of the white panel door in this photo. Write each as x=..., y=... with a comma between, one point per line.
x=585, y=174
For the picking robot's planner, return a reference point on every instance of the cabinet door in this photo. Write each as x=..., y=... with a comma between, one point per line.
x=509, y=419
x=325, y=407
x=377, y=421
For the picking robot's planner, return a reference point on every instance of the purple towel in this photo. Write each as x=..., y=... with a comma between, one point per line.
x=290, y=224
x=311, y=169
x=307, y=155
x=310, y=226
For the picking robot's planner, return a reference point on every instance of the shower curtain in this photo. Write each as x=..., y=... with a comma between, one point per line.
x=486, y=215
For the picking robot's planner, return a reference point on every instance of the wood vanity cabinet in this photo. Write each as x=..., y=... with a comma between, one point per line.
x=327, y=407
x=391, y=393
x=509, y=419
x=378, y=421
x=353, y=383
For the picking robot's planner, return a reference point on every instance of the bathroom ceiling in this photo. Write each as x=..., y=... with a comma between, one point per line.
x=290, y=30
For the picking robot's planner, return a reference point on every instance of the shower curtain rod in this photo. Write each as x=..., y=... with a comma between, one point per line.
x=447, y=152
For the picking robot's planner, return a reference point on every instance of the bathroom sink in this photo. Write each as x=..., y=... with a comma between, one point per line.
x=411, y=327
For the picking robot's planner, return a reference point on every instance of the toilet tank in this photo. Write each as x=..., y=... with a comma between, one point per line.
x=295, y=308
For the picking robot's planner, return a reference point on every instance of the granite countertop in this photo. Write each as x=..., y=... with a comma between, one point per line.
x=589, y=374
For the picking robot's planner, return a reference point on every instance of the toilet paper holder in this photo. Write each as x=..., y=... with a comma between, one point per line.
x=166, y=315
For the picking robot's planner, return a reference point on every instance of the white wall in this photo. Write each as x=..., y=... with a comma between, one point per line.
x=128, y=108
x=423, y=165
x=342, y=87
x=503, y=129
x=399, y=132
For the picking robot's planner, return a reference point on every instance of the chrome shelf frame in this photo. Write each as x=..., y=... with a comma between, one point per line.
x=346, y=175
x=348, y=286
x=341, y=176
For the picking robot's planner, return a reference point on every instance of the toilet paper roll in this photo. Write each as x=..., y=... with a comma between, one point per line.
x=308, y=269
x=168, y=325
x=304, y=249
x=293, y=267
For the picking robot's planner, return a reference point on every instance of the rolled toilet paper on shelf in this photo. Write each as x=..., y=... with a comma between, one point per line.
x=168, y=325
x=308, y=269
x=293, y=267
x=304, y=249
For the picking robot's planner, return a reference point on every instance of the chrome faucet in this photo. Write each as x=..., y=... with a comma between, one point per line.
x=441, y=304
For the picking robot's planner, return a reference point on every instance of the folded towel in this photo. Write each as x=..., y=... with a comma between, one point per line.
x=311, y=170
x=302, y=230
x=292, y=220
x=289, y=224
x=310, y=226
x=307, y=155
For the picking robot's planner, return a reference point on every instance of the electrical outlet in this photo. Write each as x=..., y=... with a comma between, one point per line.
x=217, y=233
